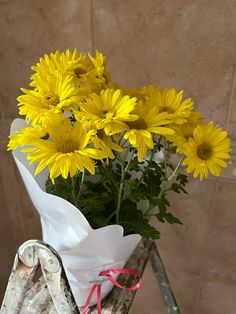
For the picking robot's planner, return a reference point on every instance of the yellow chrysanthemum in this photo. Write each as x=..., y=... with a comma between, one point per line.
x=65, y=151
x=98, y=74
x=140, y=131
x=206, y=151
x=148, y=91
x=185, y=131
x=25, y=137
x=105, y=143
x=72, y=63
x=52, y=95
x=89, y=73
x=170, y=101
x=109, y=110
x=132, y=91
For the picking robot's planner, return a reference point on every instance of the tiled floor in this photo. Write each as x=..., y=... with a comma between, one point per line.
x=190, y=45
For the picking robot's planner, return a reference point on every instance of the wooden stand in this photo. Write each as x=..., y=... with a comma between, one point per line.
x=51, y=293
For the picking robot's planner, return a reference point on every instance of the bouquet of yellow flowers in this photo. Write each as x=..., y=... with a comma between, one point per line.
x=113, y=152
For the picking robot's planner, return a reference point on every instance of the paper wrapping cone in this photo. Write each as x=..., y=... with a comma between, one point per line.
x=84, y=251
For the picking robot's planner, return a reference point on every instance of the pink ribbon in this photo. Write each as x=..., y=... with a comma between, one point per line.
x=108, y=274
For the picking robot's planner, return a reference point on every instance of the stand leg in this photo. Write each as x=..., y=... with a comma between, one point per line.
x=161, y=276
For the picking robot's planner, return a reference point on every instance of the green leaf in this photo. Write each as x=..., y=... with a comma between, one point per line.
x=128, y=210
x=153, y=181
x=142, y=227
x=61, y=188
x=111, y=175
x=162, y=203
x=96, y=187
x=153, y=165
x=140, y=193
x=168, y=217
x=135, y=164
x=182, y=178
x=178, y=188
x=133, y=221
x=132, y=183
x=91, y=203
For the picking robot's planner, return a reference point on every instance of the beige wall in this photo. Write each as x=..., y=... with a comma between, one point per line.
x=188, y=44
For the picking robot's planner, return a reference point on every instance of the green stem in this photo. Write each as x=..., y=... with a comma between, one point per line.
x=165, y=158
x=123, y=144
x=80, y=187
x=73, y=184
x=175, y=170
x=167, y=179
x=128, y=164
x=143, y=171
x=109, y=217
x=117, y=155
x=163, y=185
x=121, y=138
x=120, y=193
x=159, y=140
x=123, y=172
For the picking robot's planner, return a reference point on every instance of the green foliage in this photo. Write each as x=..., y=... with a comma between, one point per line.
x=163, y=215
x=142, y=227
x=134, y=221
x=117, y=188
x=61, y=188
x=178, y=186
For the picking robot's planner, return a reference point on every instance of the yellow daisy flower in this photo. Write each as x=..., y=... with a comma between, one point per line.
x=140, y=131
x=25, y=137
x=131, y=91
x=105, y=143
x=170, y=101
x=52, y=95
x=66, y=150
x=206, y=151
x=185, y=131
x=89, y=73
x=99, y=72
x=147, y=91
x=72, y=63
x=107, y=111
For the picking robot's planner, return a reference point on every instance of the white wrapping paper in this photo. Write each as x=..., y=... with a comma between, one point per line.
x=84, y=251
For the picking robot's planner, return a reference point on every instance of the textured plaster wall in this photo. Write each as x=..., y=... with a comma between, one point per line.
x=188, y=44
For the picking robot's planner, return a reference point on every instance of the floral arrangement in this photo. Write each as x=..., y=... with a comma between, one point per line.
x=112, y=151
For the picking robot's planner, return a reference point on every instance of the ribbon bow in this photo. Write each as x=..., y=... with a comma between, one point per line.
x=108, y=274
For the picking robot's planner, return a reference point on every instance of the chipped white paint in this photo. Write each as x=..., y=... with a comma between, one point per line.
x=51, y=294
x=29, y=257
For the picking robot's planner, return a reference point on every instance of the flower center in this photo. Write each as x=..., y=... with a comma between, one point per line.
x=139, y=124
x=165, y=109
x=78, y=71
x=106, y=114
x=100, y=134
x=52, y=100
x=204, y=151
x=68, y=146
